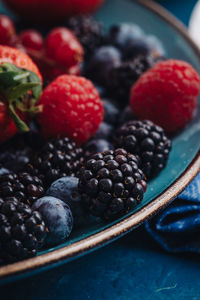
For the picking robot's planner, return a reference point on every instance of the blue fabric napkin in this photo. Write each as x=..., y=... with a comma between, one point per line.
x=177, y=228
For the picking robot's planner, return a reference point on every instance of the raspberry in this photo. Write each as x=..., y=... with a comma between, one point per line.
x=71, y=107
x=7, y=30
x=31, y=39
x=63, y=47
x=167, y=94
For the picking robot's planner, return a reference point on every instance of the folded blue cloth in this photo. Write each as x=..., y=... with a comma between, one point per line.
x=177, y=228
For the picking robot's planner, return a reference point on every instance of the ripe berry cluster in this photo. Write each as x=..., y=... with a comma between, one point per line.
x=85, y=153
x=125, y=56
x=111, y=183
x=59, y=53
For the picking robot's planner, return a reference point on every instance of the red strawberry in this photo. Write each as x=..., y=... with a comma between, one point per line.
x=52, y=10
x=63, y=47
x=20, y=87
x=62, y=53
x=167, y=94
x=31, y=39
x=18, y=58
x=7, y=30
x=71, y=107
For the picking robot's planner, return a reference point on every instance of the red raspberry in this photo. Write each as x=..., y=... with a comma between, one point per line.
x=71, y=107
x=7, y=30
x=63, y=47
x=167, y=94
x=31, y=39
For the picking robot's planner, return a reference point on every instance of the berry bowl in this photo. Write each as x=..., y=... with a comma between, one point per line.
x=184, y=160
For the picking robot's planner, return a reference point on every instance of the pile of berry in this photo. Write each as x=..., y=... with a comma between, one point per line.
x=82, y=146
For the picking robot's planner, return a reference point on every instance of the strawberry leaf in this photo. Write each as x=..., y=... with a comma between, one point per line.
x=21, y=125
x=20, y=90
x=9, y=79
x=37, y=90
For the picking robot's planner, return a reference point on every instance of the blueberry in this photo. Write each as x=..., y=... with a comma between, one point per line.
x=111, y=111
x=97, y=145
x=120, y=35
x=57, y=217
x=155, y=44
x=4, y=171
x=100, y=89
x=132, y=41
x=15, y=160
x=127, y=115
x=66, y=189
x=102, y=62
x=136, y=47
x=104, y=132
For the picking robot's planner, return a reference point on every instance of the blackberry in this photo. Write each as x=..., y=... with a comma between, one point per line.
x=58, y=158
x=123, y=76
x=15, y=153
x=111, y=184
x=148, y=141
x=88, y=31
x=23, y=186
x=22, y=231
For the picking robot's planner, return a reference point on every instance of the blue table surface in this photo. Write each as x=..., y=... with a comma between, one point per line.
x=134, y=267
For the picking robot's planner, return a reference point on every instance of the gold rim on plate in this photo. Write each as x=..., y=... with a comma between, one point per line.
x=130, y=222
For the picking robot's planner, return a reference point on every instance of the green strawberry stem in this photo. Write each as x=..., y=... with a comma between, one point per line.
x=15, y=87
x=21, y=125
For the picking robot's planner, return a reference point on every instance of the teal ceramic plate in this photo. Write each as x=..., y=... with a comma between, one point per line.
x=184, y=162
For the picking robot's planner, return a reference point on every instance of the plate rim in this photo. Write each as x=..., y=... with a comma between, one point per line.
x=130, y=222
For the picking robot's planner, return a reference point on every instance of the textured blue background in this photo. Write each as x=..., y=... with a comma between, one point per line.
x=132, y=268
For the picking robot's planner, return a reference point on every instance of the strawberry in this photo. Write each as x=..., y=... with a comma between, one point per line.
x=7, y=30
x=63, y=47
x=31, y=39
x=52, y=10
x=60, y=54
x=18, y=58
x=20, y=87
x=167, y=94
x=71, y=107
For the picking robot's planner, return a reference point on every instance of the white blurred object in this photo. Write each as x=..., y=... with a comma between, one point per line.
x=194, y=24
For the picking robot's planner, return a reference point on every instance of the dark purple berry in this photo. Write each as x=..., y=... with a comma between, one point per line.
x=113, y=187
x=146, y=140
x=22, y=231
x=58, y=158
